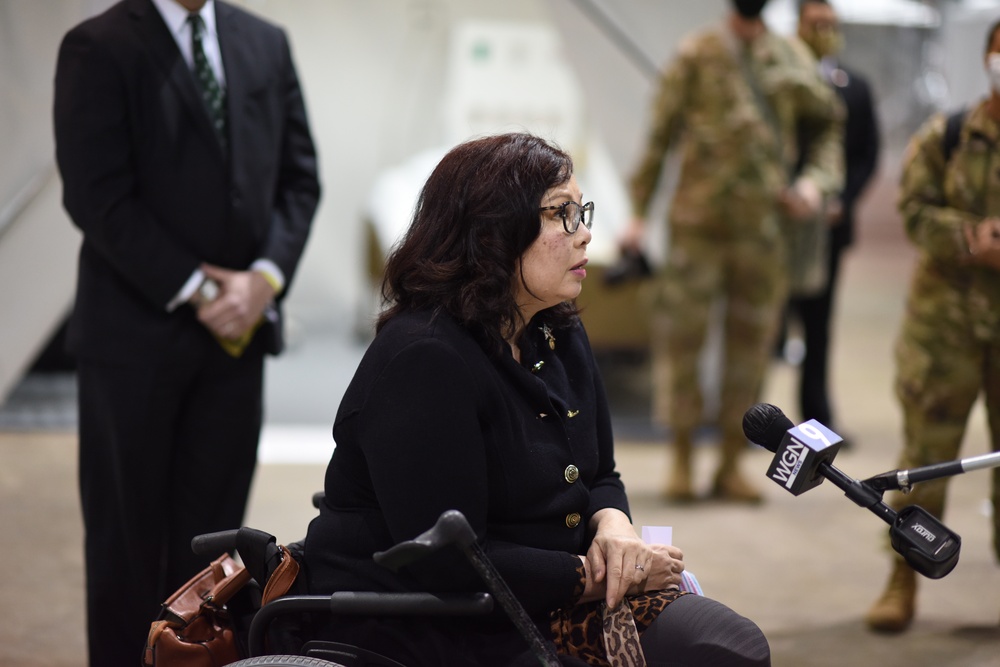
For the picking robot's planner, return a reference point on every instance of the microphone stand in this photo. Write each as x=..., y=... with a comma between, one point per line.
x=904, y=479
x=861, y=493
x=927, y=545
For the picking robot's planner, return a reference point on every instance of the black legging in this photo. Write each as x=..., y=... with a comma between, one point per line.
x=694, y=631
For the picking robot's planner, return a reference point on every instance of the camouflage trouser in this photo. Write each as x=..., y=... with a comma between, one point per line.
x=941, y=371
x=702, y=268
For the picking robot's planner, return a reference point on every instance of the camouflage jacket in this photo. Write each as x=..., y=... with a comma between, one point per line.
x=937, y=199
x=737, y=153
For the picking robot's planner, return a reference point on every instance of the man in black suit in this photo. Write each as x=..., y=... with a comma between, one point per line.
x=819, y=29
x=187, y=163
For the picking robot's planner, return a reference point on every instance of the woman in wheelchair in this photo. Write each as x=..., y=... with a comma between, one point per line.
x=480, y=393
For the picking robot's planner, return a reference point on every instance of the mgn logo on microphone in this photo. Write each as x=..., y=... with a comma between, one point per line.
x=803, y=448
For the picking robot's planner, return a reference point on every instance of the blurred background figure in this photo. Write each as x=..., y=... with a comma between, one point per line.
x=819, y=28
x=188, y=165
x=737, y=95
x=948, y=351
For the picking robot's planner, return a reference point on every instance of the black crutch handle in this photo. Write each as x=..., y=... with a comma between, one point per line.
x=451, y=528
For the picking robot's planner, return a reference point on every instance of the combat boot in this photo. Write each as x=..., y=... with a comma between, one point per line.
x=729, y=483
x=680, y=487
x=893, y=612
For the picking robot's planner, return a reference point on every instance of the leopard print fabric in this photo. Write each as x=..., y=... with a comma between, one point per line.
x=578, y=630
x=621, y=639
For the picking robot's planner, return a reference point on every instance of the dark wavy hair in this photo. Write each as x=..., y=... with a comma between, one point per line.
x=475, y=218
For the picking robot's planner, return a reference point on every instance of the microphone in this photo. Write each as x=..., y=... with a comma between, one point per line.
x=803, y=457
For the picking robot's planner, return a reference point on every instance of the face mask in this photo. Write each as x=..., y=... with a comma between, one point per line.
x=825, y=42
x=993, y=70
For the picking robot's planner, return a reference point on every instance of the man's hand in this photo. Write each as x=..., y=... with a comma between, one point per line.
x=834, y=212
x=243, y=296
x=802, y=200
x=634, y=234
x=984, y=243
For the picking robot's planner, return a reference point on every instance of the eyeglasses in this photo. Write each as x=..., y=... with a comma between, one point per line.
x=572, y=214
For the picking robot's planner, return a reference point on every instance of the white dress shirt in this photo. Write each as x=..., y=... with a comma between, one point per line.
x=176, y=18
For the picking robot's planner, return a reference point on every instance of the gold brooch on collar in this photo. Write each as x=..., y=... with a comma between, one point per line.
x=547, y=332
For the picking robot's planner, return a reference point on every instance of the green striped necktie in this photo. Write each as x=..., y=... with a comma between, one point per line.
x=211, y=92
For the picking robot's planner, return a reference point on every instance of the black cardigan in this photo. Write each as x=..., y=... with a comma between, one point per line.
x=431, y=422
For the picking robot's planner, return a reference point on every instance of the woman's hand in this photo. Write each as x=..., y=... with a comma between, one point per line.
x=623, y=563
x=664, y=570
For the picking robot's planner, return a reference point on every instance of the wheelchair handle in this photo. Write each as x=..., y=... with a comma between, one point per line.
x=258, y=550
x=213, y=544
x=451, y=528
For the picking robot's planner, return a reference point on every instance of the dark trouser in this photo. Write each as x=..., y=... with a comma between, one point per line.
x=167, y=451
x=694, y=631
x=815, y=314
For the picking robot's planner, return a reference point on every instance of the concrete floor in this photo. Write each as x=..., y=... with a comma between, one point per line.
x=806, y=568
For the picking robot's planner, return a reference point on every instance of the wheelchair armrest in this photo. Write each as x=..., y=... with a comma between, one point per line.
x=451, y=528
x=365, y=603
x=410, y=604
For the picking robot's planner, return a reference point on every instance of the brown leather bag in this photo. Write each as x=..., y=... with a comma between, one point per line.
x=195, y=628
x=283, y=577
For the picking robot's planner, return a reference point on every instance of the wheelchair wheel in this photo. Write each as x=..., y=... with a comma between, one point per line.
x=284, y=661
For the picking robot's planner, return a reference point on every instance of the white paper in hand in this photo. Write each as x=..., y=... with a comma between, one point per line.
x=665, y=535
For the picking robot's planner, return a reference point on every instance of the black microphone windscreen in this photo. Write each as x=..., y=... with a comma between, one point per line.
x=765, y=424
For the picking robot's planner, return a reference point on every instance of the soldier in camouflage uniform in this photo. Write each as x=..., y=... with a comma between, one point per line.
x=948, y=351
x=732, y=99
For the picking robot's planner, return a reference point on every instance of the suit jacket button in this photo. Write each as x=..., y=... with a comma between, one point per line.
x=572, y=520
x=572, y=473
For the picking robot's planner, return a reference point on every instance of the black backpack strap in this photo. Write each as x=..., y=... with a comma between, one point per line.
x=953, y=132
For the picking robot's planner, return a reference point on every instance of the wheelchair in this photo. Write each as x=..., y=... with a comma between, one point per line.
x=283, y=624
